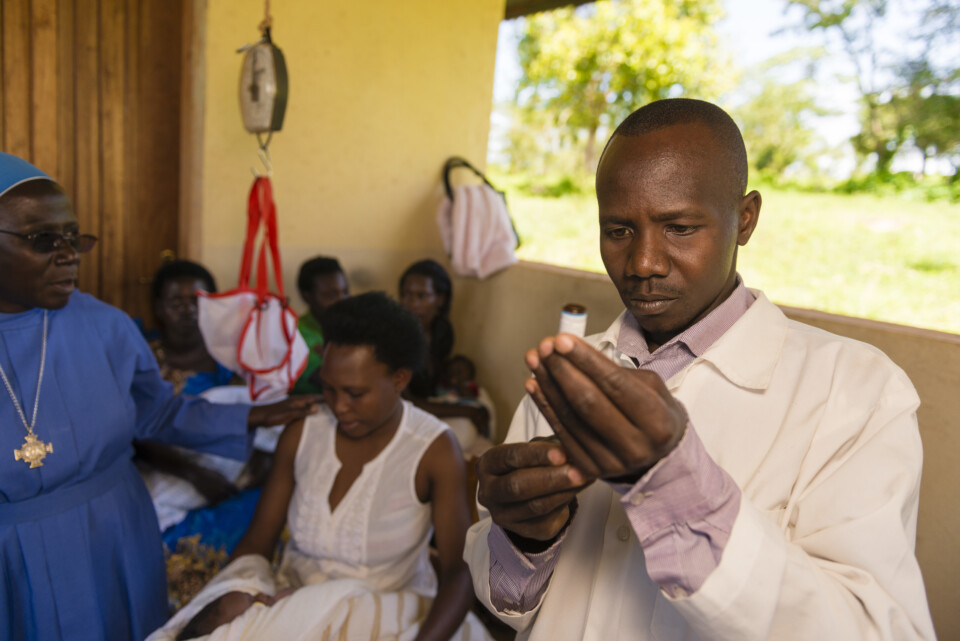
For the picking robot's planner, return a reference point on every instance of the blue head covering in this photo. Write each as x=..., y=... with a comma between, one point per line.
x=16, y=171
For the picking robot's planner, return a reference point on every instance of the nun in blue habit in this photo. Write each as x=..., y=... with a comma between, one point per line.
x=80, y=549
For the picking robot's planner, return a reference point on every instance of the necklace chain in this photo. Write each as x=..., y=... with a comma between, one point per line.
x=36, y=402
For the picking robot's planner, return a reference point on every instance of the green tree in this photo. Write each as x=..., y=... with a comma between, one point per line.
x=941, y=24
x=904, y=100
x=935, y=89
x=776, y=119
x=856, y=23
x=534, y=145
x=936, y=128
x=929, y=112
x=588, y=68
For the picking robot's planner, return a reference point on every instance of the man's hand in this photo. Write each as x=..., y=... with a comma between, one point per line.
x=613, y=422
x=283, y=412
x=528, y=488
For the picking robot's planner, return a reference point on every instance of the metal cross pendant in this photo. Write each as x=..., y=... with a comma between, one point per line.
x=33, y=451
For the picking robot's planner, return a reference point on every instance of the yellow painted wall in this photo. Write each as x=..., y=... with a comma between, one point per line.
x=381, y=93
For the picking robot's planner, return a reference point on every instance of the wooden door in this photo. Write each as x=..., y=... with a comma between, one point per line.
x=90, y=93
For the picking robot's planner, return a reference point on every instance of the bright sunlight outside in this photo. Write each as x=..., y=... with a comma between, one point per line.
x=852, y=125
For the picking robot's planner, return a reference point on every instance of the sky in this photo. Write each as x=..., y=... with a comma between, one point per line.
x=753, y=31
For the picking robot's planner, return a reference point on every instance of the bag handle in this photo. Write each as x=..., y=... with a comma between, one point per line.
x=270, y=243
x=456, y=161
x=253, y=225
x=262, y=210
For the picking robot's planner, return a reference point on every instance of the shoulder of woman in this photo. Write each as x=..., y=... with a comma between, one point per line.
x=443, y=457
x=290, y=438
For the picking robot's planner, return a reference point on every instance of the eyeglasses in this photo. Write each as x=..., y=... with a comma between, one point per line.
x=47, y=242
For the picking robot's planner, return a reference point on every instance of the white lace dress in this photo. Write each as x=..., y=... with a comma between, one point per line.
x=379, y=531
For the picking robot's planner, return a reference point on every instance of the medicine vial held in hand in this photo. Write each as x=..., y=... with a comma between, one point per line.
x=573, y=320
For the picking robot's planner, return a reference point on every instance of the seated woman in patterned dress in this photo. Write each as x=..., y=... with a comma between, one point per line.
x=177, y=481
x=190, y=489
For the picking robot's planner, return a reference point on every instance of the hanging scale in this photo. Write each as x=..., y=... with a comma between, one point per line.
x=263, y=85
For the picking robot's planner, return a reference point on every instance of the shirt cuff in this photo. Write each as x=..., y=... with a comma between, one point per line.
x=518, y=579
x=682, y=511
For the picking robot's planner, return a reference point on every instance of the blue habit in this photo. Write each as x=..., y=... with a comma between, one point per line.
x=80, y=546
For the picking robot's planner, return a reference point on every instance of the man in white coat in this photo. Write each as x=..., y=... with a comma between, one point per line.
x=705, y=468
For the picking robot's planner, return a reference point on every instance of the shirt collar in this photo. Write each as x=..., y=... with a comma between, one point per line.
x=696, y=338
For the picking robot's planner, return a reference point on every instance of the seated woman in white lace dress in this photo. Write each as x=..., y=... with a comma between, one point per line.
x=364, y=483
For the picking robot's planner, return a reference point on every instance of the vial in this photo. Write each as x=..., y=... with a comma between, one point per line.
x=573, y=319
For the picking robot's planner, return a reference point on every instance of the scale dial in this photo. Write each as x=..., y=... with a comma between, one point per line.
x=263, y=88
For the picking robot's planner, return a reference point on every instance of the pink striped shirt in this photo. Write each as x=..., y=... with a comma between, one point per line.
x=682, y=510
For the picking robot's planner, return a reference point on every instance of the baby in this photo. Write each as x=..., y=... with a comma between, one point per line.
x=224, y=610
x=459, y=379
x=322, y=610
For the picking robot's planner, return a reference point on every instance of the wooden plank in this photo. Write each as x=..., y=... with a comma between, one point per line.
x=517, y=8
x=136, y=143
x=87, y=198
x=193, y=79
x=2, y=118
x=153, y=221
x=66, y=98
x=16, y=78
x=113, y=152
x=43, y=90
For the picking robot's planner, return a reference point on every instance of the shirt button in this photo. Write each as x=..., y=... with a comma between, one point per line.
x=638, y=498
x=623, y=533
x=678, y=593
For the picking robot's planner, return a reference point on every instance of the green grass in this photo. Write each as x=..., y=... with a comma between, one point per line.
x=889, y=259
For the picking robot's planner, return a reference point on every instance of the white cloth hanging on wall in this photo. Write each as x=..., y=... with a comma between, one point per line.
x=476, y=231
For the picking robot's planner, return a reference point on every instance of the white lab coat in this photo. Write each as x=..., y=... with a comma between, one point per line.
x=820, y=434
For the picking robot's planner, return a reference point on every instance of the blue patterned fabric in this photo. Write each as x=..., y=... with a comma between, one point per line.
x=202, y=381
x=220, y=526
